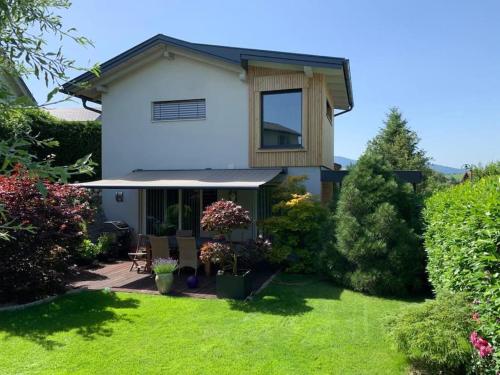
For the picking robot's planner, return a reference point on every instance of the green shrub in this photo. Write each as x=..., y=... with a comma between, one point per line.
x=76, y=139
x=89, y=251
x=299, y=231
x=462, y=243
x=375, y=230
x=434, y=335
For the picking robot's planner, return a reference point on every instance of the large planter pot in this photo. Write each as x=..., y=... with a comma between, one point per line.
x=164, y=282
x=232, y=286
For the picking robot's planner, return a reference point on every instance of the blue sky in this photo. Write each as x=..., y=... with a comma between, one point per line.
x=438, y=61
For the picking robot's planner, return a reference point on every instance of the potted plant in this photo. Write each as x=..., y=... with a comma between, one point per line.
x=223, y=217
x=164, y=277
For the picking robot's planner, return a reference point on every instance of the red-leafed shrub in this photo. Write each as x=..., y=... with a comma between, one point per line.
x=223, y=217
x=34, y=262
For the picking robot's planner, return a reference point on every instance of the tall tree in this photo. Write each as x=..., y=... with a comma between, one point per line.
x=398, y=144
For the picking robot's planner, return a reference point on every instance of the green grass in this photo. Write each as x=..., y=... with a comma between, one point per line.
x=299, y=325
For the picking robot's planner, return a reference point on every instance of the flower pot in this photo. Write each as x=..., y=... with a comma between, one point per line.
x=164, y=282
x=232, y=286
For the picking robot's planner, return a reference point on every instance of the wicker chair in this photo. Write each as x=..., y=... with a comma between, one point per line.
x=159, y=247
x=188, y=253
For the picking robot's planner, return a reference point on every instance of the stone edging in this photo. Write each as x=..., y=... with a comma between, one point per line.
x=40, y=301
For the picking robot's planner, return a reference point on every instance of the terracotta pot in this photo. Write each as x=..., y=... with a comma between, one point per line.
x=164, y=282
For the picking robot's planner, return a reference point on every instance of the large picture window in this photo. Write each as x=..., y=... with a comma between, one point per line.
x=281, y=124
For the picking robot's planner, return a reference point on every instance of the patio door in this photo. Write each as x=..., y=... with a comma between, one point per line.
x=162, y=211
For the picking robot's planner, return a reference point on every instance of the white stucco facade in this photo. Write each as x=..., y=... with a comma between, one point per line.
x=131, y=140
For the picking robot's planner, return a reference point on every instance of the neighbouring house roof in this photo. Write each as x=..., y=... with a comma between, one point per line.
x=17, y=85
x=189, y=178
x=279, y=128
x=74, y=114
x=335, y=69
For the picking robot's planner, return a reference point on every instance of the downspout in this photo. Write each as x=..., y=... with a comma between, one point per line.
x=84, y=103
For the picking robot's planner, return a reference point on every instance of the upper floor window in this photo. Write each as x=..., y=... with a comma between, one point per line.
x=281, y=124
x=179, y=110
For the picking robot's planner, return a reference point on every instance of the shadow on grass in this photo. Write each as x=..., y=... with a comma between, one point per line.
x=287, y=295
x=89, y=313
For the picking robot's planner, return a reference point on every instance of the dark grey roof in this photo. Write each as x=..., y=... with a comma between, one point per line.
x=234, y=55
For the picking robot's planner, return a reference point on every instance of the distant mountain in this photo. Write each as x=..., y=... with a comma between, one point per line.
x=447, y=170
x=346, y=162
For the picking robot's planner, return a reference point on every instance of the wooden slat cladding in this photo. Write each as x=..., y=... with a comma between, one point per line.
x=313, y=108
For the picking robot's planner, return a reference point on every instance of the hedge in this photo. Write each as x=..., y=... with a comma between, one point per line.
x=463, y=247
x=76, y=138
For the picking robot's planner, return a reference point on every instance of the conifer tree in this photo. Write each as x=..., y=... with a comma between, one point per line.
x=375, y=230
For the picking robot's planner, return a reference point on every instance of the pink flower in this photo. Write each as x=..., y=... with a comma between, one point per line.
x=482, y=346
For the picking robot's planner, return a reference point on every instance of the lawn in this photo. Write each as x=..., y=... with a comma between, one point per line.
x=299, y=325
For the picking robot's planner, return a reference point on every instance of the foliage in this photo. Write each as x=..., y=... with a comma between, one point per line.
x=462, y=243
x=398, y=145
x=223, y=217
x=24, y=27
x=299, y=229
x=69, y=140
x=375, y=223
x=220, y=252
x=297, y=325
x=490, y=169
x=287, y=188
x=433, y=336
x=34, y=262
x=90, y=251
x=164, y=265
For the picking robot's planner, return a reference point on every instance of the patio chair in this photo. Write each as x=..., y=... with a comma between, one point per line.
x=159, y=247
x=188, y=253
x=141, y=252
x=184, y=233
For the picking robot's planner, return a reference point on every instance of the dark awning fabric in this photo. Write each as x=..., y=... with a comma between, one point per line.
x=190, y=179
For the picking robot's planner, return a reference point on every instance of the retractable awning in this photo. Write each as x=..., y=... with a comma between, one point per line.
x=189, y=179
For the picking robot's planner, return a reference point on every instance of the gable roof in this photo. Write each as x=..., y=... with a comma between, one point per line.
x=17, y=84
x=241, y=57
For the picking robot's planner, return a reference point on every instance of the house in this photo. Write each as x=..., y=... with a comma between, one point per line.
x=16, y=87
x=185, y=124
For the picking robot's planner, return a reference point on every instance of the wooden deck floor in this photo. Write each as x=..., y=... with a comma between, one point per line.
x=118, y=277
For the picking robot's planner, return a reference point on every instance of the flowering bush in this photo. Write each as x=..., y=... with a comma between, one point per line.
x=35, y=261
x=164, y=265
x=462, y=243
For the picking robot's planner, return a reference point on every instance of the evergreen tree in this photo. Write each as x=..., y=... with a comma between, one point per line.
x=375, y=221
x=398, y=145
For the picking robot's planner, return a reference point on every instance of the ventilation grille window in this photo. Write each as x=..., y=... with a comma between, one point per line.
x=179, y=110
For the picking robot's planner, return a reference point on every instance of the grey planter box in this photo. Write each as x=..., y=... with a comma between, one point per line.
x=233, y=287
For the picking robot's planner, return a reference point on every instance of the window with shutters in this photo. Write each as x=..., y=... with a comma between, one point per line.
x=173, y=110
